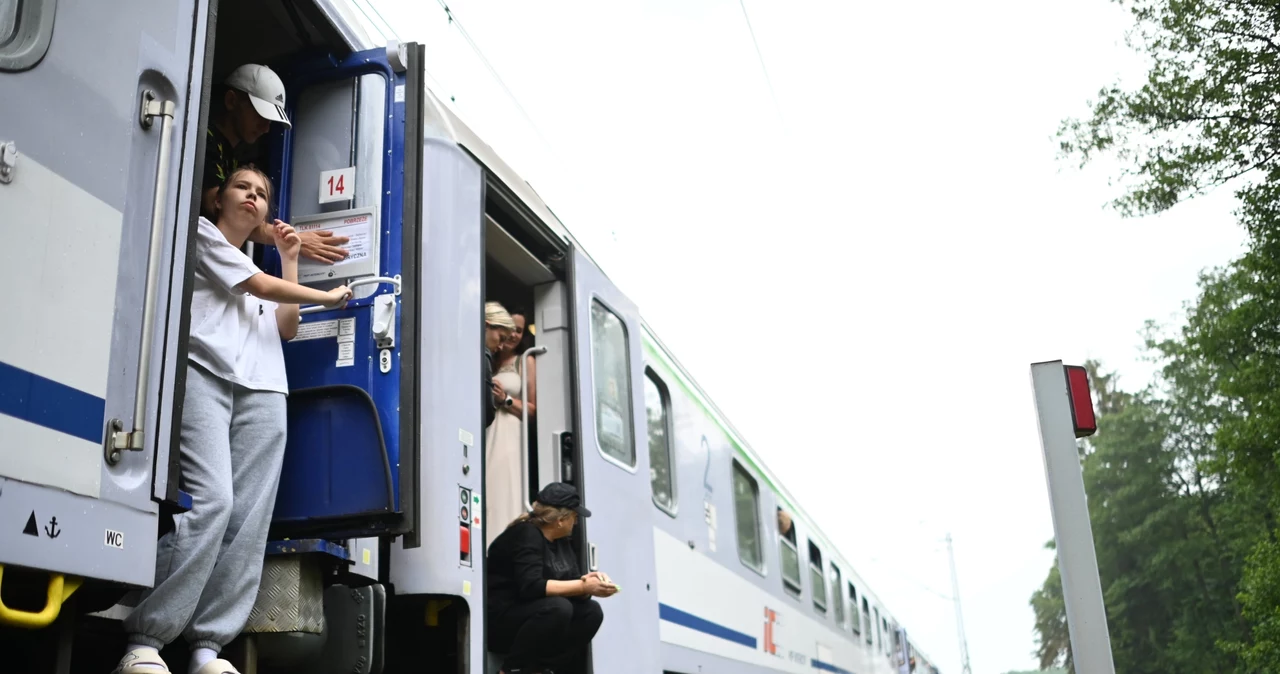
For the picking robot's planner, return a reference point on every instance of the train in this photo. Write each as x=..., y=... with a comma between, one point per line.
x=376, y=558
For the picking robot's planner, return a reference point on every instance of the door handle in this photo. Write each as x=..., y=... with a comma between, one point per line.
x=120, y=439
x=592, y=564
x=316, y=308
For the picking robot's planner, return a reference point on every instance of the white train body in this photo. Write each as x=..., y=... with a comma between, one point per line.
x=103, y=112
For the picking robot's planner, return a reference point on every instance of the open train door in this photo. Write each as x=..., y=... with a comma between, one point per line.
x=611, y=473
x=97, y=148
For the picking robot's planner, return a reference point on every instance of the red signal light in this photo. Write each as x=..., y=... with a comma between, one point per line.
x=1081, y=398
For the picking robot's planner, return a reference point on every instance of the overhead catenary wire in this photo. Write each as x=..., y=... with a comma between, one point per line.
x=453, y=20
x=773, y=94
x=387, y=24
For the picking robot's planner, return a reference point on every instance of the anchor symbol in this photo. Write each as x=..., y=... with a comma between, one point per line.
x=52, y=528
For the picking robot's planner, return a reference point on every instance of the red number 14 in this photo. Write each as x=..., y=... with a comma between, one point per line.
x=338, y=188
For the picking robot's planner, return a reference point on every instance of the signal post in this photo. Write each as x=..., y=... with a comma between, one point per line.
x=1064, y=412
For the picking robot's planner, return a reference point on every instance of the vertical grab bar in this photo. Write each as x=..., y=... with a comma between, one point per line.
x=524, y=422
x=151, y=107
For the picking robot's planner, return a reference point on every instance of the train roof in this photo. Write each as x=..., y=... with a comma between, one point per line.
x=356, y=31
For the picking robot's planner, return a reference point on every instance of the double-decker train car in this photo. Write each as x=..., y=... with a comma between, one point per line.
x=376, y=558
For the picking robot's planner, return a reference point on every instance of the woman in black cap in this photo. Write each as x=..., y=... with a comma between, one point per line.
x=540, y=609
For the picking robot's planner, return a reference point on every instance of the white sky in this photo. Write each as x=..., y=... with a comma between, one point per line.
x=862, y=284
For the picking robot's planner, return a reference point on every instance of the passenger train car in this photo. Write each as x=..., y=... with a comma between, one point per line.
x=374, y=563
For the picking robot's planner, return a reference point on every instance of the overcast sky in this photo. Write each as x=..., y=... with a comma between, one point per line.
x=861, y=274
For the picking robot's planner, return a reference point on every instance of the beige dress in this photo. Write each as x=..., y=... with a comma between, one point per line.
x=502, y=460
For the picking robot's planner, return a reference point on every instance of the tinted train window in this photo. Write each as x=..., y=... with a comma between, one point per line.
x=815, y=577
x=612, y=385
x=657, y=407
x=853, y=610
x=790, y=557
x=866, y=620
x=879, y=634
x=8, y=21
x=746, y=508
x=26, y=27
x=836, y=584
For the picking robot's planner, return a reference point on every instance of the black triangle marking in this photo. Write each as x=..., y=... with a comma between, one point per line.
x=32, y=529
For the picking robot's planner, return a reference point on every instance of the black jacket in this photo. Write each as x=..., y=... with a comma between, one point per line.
x=521, y=561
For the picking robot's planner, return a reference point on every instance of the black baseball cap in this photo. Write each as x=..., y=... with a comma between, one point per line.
x=561, y=495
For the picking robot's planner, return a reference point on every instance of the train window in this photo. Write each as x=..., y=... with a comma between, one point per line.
x=788, y=553
x=817, y=579
x=746, y=507
x=837, y=598
x=8, y=20
x=612, y=385
x=855, y=621
x=26, y=27
x=879, y=634
x=657, y=406
x=866, y=620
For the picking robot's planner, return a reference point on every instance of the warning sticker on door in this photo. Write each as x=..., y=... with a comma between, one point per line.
x=346, y=354
x=317, y=330
x=347, y=326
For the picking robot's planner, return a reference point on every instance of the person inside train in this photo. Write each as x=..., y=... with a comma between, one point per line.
x=542, y=614
x=784, y=524
x=498, y=328
x=250, y=100
x=503, y=437
x=232, y=437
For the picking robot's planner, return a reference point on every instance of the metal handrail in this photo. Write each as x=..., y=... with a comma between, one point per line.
x=151, y=108
x=524, y=421
x=317, y=308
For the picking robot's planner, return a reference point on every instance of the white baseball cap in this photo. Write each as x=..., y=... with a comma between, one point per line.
x=265, y=90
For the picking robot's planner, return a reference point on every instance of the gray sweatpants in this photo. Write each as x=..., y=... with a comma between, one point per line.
x=208, y=568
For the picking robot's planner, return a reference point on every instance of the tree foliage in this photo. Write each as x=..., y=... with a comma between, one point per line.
x=1183, y=475
x=1207, y=112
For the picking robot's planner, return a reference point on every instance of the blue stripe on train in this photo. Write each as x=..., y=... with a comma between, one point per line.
x=693, y=622
x=47, y=403
x=828, y=667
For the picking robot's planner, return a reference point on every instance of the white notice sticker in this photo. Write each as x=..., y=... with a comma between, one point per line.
x=345, y=362
x=399, y=93
x=344, y=339
x=347, y=326
x=360, y=230
x=114, y=539
x=346, y=351
x=316, y=330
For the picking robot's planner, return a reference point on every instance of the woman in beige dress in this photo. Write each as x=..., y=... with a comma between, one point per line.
x=502, y=438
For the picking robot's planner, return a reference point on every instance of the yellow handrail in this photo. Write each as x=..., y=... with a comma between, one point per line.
x=60, y=589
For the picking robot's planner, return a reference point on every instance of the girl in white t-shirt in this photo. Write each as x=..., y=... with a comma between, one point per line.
x=233, y=435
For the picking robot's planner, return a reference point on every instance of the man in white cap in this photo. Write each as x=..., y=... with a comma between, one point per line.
x=252, y=101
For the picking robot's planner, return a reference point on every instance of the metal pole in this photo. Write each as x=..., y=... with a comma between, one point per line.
x=955, y=596
x=1077, y=560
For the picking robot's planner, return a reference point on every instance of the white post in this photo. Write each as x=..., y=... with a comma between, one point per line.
x=955, y=596
x=1077, y=561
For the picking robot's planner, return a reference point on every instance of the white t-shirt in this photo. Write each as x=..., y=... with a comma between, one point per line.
x=234, y=335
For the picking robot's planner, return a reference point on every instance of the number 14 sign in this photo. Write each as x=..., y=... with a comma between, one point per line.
x=338, y=185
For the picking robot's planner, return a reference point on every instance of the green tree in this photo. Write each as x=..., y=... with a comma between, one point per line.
x=1157, y=520
x=1053, y=645
x=1206, y=116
